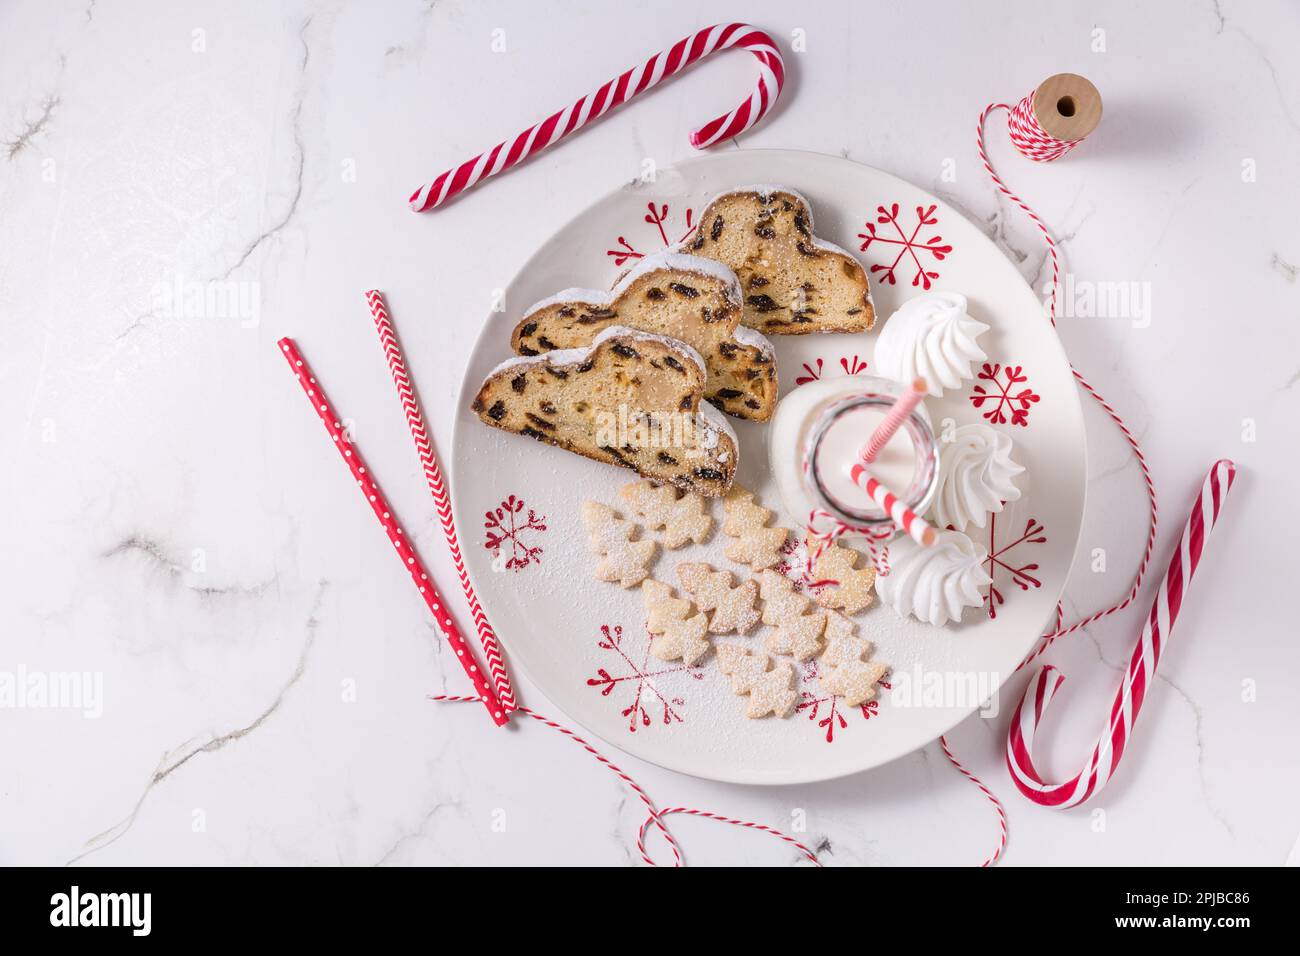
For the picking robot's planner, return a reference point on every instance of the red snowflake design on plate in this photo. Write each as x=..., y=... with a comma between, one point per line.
x=1001, y=559
x=657, y=216
x=1004, y=394
x=642, y=679
x=825, y=710
x=508, y=526
x=852, y=365
x=905, y=245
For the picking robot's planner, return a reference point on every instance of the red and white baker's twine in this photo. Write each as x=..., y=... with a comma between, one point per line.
x=405, y=550
x=1141, y=671
x=988, y=794
x=619, y=90
x=1029, y=137
x=1036, y=143
x=438, y=488
x=1033, y=141
x=719, y=818
x=655, y=816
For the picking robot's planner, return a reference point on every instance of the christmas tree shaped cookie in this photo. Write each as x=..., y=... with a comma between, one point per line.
x=843, y=670
x=681, y=516
x=680, y=633
x=623, y=560
x=852, y=589
x=756, y=544
x=732, y=607
x=795, y=632
x=769, y=690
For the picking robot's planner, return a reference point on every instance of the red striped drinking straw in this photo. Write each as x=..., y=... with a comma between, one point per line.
x=898, y=413
x=438, y=488
x=384, y=513
x=907, y=520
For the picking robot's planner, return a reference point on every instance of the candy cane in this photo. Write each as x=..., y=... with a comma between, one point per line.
x=1141, y=671
x=637, y=80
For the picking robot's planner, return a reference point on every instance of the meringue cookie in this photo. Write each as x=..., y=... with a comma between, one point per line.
x=935, y=584
x=930, y=337
x=976, y=477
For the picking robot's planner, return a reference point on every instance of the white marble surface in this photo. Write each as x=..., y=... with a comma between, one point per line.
x=173, y=521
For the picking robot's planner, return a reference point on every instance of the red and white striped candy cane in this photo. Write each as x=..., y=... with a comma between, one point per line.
x=438, y=488
x=1141, y=671
x=637, y=80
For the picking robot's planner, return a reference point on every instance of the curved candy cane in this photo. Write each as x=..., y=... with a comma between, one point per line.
x=1106, y=755
x=637, y=80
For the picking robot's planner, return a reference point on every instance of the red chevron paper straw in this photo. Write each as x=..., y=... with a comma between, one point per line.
x=904, y=517
x=1105, y=756
x=438, y=488
x=405, y=551
x=622, y=88
x=898, y=413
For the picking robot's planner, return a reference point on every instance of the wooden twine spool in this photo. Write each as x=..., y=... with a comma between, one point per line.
x=1067, y=106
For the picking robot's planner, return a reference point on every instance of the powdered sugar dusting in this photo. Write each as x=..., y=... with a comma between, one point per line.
x=676, y=345
x=766, y=190
x=754, y=339
x=670, y=258
x=828, y=246
x=597, y=297
x=558, y=357
x=713, y=422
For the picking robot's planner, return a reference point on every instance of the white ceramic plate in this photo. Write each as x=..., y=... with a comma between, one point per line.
x=584, y=642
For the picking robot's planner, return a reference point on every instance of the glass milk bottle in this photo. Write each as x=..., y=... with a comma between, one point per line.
x=816, y=434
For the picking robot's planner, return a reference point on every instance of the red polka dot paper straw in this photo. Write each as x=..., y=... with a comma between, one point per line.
x=1105, y=756
x=438, y=488
x=619, y=90
x=907, y=520
x=898, y=412
x=405, y=550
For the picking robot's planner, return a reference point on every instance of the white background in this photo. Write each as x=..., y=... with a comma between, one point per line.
x=150, y=143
